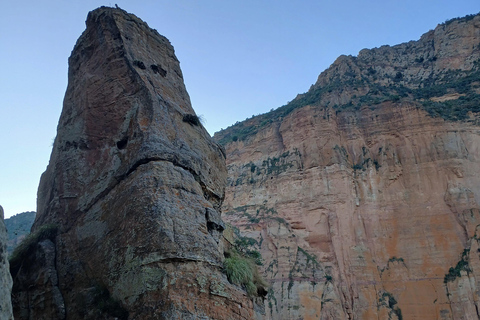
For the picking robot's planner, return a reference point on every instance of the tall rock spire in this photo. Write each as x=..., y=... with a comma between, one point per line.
x=133, y=189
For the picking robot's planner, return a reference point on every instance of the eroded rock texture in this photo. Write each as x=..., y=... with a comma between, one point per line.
x=134, y=185
x=363, y=193
x=5, y=277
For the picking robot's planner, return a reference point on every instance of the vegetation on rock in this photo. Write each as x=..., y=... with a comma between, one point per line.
x=352, y=83
x=192, y=119
x=462, y=265
x=242, y=270
x=27, y=246
x=464, y=83
x=467, y=18
x=388, y=300
x=241, y=262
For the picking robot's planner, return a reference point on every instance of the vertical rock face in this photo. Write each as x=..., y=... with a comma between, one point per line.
x=363, y=193
x=5, y=277
x=133, y=191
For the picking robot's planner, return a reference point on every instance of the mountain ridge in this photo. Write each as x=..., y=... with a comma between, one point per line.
x=374, y=86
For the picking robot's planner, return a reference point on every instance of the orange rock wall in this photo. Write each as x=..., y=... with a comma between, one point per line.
x=367, y=210
x=353, y=209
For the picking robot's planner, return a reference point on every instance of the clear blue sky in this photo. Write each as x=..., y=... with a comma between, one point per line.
x=239, y=58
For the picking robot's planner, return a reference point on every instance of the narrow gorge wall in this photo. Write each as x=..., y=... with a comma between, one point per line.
x=363, y=193
x=128, y=216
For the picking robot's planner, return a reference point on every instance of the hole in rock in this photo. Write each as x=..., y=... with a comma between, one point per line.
x=158, y=69
x=122, y=143
x=139, y=64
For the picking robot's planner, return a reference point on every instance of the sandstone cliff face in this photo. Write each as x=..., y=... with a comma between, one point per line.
x=133, y=191
x=363, y=205
x=5, y=277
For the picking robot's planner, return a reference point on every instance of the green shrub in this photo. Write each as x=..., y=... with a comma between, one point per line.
x=239, y=270
x=192, y=119
x=387, y=299
x=242, y=271
x=467, y=18
x=395, y=259
x=462, y=265
x=358, y=167
x=27, y=246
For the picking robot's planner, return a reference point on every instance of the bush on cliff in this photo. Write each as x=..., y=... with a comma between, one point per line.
x=27, y=246
x=462, y=265
x=192, y=119
x=242, y=270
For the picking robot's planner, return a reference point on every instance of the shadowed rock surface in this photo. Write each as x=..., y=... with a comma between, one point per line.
x=134, y=186
x=5, y=277
x=363, y=193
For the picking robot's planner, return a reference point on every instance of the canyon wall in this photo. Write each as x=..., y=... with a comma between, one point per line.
x=5, y=277
x=128, y=213
x=363, y=194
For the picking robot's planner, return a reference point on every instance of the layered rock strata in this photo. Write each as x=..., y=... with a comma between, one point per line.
x=363, y=193
x=128, y=222
x=5, y=277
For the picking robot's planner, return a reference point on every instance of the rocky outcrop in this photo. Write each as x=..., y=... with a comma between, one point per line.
x=363, y=193
x=128, y=222
x=5, y=277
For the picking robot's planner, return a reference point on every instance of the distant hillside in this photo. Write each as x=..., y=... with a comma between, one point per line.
x=18, y=227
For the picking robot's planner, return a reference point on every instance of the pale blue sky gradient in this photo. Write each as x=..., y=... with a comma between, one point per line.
x=239, y=58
